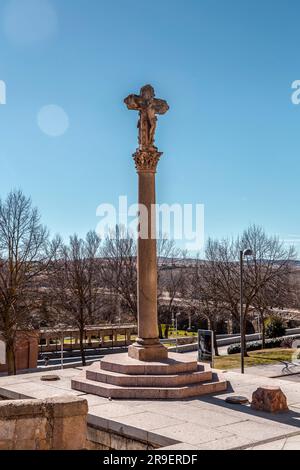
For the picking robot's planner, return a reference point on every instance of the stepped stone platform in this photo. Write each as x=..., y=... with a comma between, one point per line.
x=119, y=376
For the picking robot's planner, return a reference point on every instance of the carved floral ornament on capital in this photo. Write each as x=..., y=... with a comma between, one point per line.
x=146, y=160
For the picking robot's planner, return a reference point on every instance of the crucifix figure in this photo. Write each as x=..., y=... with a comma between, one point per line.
x=148, y=107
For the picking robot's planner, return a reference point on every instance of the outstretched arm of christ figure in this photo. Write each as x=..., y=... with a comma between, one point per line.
x=161, y=106
x=133, y=102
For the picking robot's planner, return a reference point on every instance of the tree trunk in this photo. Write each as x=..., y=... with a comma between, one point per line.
x=10, y=358
x=216, y=344
x=160, y=331
x=82, y=351
x=263, y=332
x=167, y=331
x=243, y=337
x=230, y=326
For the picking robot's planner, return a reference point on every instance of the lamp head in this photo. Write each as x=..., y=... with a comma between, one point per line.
x=248, y=252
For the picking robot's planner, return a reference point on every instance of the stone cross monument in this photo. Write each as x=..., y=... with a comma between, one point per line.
x=147, y=346
x=147, y=371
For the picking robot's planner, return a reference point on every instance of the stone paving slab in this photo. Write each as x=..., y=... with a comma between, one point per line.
x=274, y=445
x=31, y=386
x=290, y=443
x=199, y=423
x=211, y=417
x=149, y=421
x=290, y=446
x=112, y=409
x=250, y=429
x=36, y=376
x=296, y=405
x=291, y=378
x=181, y=446
x=193, y=434
x=271, y=370
x=234, y=442
x=94, y=400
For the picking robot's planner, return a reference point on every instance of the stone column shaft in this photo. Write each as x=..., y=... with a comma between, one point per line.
x=147, y=265
x=147, y=346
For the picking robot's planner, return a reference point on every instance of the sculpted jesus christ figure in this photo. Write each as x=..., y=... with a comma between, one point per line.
x=148, y=107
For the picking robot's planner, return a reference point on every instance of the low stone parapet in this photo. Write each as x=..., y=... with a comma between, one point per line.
x=183, y=348
x=54, y=424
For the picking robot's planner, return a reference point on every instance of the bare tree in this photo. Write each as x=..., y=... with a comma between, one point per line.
x=269, y=265
x=274, y=296
x=119, y=270
x=75, y=284
x=267, y=270
x=25, y=253
x=171, y=280
x=204, y=297
x=222, y=256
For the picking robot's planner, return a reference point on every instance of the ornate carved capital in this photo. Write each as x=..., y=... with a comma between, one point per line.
x=147, y=160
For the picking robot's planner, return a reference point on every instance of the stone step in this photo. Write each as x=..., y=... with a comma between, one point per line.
x=122, y=364
x=105, y=390
x=176, y=380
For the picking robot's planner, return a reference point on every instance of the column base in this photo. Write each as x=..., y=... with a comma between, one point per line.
x=154, y=352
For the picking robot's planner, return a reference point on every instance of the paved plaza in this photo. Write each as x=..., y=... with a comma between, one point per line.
x=201, y=423
x=282, y=370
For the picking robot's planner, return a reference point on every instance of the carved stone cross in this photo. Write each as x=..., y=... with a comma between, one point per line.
x=148, y=107
x=147, y=346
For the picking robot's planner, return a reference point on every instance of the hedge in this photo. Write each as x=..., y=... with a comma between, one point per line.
x=256, y=345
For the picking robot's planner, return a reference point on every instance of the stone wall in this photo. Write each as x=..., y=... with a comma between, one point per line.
x=26, y=350
x=103, y=439
x=53, y=424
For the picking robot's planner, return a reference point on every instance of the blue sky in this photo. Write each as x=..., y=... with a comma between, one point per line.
x=231, y=137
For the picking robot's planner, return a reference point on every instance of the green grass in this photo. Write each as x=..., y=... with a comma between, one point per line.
x=169, y=345
x=172, y=334
x=265, y=356
x=180, y=333
x=106, y=338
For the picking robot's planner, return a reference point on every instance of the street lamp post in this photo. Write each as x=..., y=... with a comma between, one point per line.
x=173, y=321
x=62, y=350
x=190, y=322
x=243, y=253
x=176, y=327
